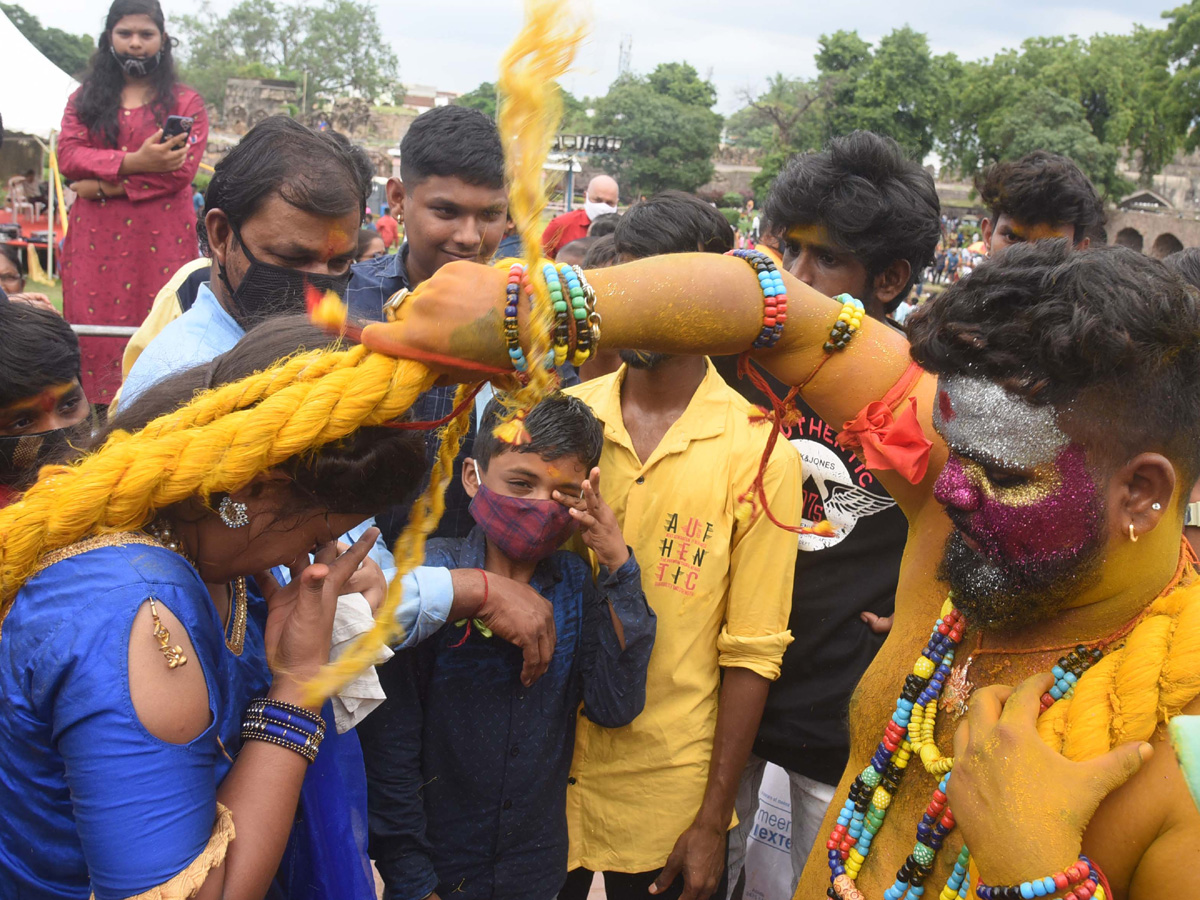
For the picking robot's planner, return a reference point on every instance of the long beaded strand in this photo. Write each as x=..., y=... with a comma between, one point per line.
x=911, y=730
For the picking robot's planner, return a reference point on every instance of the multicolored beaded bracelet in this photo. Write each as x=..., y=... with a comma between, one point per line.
x=587, y=340
x=562, y=316
x=774, y=296
x=572, y=277
x=849, y=321
x=1082, y=877
x=512, y=330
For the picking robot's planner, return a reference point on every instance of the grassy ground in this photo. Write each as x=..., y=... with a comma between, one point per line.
x=54, y=292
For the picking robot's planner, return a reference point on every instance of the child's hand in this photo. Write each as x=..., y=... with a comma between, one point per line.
x=598, y=524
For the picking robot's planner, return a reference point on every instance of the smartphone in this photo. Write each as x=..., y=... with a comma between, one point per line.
x=176, y=125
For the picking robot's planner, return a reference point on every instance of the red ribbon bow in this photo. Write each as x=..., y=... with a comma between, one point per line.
x=887, y=440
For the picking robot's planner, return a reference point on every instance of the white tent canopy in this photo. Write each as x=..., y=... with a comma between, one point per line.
x=37, y=89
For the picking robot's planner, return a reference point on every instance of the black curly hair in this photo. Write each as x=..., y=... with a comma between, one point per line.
x=1108, y=336
x=1042, y=188
x=876, y=203
x=99, y=101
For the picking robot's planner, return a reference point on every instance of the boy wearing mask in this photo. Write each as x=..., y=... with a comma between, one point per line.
x=470, y=797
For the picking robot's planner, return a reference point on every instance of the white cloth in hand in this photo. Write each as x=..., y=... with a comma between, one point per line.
x=361, y=696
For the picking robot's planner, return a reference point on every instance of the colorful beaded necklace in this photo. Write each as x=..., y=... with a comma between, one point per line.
x=911, y=730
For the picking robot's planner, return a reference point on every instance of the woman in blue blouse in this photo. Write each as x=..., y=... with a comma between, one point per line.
x=155, y=739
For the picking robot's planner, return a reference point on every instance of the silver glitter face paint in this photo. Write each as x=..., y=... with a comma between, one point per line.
x=982, y=420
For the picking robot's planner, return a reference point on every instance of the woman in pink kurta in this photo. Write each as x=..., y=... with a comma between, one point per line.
x=133, y=224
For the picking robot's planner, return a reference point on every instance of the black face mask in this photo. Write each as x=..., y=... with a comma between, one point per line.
x=21, y=455
x=267, y=290
x=137, y=66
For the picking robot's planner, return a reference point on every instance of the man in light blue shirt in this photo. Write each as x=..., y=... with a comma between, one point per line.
x=283, y=211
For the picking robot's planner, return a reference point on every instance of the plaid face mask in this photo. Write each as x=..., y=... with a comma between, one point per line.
x=524, y=530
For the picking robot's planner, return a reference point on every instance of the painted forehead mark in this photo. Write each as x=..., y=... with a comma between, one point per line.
x=44, y=401
x=981, y=419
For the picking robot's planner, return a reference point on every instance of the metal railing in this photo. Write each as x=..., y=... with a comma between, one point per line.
x=104, y=330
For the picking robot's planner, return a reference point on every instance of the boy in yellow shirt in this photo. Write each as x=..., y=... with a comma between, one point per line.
x=650, y=804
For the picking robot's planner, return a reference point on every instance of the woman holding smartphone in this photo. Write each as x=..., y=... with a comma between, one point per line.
x=132, y=226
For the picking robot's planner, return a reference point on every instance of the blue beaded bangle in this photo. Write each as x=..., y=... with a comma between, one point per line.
x=283, y=717
x=284, y=725
x=774, y=293
x=259, y=729
x=287, y=714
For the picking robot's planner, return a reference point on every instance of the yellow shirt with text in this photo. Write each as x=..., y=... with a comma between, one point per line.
x=722, y=591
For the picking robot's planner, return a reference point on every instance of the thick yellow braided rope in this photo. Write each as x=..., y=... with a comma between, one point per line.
x=210, y=445
x=1135, y=688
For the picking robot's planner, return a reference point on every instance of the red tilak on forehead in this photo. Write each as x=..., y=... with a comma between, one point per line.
x=945, y=407
x=47, y=401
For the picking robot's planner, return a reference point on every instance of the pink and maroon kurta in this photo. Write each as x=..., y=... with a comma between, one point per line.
x=118, y=252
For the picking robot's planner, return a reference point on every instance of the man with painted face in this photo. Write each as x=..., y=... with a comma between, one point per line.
x=857, y=218
x=601, y=199
x=1063, y=382
x=468, y=776
x=651, y=805
x=1039, y=196
x=42, y=406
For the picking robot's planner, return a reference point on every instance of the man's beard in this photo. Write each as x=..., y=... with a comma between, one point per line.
x=642, y=359
x=1020, y=592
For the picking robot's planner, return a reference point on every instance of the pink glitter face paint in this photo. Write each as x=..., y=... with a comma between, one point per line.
x=1044, y=506
x=1045, y=517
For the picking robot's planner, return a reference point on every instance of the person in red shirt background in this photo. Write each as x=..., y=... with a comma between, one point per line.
x=388, y=228
x=601, y=198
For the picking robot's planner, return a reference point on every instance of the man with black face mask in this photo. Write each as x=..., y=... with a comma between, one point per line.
x=281, y=220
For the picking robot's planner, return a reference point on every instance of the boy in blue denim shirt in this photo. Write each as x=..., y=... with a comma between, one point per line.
x=468, y=767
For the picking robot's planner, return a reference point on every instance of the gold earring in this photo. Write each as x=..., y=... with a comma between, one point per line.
x=1132, y=536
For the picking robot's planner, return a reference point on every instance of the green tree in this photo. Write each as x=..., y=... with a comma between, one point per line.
x=285, y=40
x=1181, y=50
x=1045, y=120
x=681, y=82
x=70, y=52
x=483, y=98
x=898, y=90
x=1116, y=86
x=783, y=116
x=668, y=142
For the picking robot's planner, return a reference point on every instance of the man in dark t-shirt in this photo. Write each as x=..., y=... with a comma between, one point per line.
x=861, y=219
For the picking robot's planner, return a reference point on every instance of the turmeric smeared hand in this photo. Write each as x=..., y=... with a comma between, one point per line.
x=453, y=323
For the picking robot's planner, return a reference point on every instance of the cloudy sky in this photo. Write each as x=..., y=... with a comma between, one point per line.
x=455, y=44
